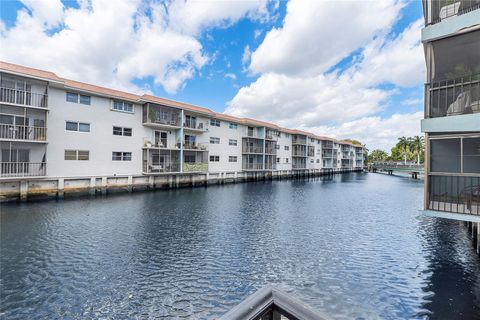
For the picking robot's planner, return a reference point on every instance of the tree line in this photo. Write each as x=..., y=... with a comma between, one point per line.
x=406, y=149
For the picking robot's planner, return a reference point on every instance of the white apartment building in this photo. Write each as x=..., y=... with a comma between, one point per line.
x=55, y=127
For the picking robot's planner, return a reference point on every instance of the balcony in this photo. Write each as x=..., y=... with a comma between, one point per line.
x=443, y=9
x=23, y=98
x=194, y=126
x=161, y=117
x=327, y=145
x=252, y=149
x=299, y=166
x=22, y=169
x=327, y=154
x=300, y=140
x=271, y=135
x=251, y=132
x=160, y=161
x=455, y=194
x=23, y=133
x=454, y=97
x=252, y=166
x=195, y=146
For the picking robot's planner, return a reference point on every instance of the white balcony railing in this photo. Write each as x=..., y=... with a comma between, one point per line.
x=253, y=166
x=24, y=98
x=22, y=169
x=25, y=133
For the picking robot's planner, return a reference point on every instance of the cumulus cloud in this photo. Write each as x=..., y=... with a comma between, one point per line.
x=375, y=132
x=302, y=85
x=115, y=42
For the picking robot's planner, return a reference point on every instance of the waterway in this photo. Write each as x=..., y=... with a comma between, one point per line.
x=352, y=247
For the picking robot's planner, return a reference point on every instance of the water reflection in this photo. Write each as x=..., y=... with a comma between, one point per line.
x=353, y=247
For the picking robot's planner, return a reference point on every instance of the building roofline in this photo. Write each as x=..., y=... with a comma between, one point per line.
x=113, y=93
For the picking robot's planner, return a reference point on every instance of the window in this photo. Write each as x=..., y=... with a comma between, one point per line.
x=121, y=156
x=232, y=159
x=286, y=160
x=312, y=140
x=287, y=148
x=120, y=131
x=77, y=126
x=311, y=160
x=214, y=158
x=76, y=98
x=189, y=158
x=215, y=122
x=214, y=140
x=122, y=106
x=85, y=99
x=232, y=125
x=278, y=160
x=232, y=142
x=77, y=155
x=318, y=160
x=277, y=146
x=72, y=97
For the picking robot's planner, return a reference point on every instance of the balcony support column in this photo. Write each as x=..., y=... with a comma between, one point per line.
x=92, y=186
x=23, y=190
x=60, y=188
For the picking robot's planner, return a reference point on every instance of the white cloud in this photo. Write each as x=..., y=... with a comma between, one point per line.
x=295, y=91
x=317, y=34
x=257, y=33
x=114, y=42
x=412, y=102
x=375, y=132
x=231, y=76
x=246, y=54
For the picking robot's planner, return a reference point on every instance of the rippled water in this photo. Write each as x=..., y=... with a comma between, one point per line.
x=353, y=247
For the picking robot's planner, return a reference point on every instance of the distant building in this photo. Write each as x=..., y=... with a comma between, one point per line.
x=451, y=39
x=55, y=127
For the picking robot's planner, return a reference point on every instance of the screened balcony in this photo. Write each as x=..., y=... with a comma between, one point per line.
x=193, y=124
x=443, y=9
x=160, y=161
x=270, y=147
x=253, y=132
x=299, y=163
x=23, y=92
x=328, y=153
x=195, y=161
x=270, y=162
x=158, y=116
x=299, y=139
x=454, y=71
x=454, y=177
x=271, y=135
x=327, y=145
x=22, y=159
x=252, y=162
x=299, y=151
x=250, y=145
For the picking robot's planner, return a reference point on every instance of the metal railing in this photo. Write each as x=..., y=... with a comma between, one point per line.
x=194, y=125
x=442, y=9
x=271, y=151
x=456, y=194
x=301, y=141
x=299, y=165
x=253, y=134
x=252, y=166
x=161, y=168
x=454, y=97
x=250, y=149
x=24, y=98
x=271, y=303
x=14, y=132
x=22, y=169
x=195, y=146
x=327, y=145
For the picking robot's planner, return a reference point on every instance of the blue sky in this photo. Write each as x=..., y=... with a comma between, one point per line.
x=349, y=69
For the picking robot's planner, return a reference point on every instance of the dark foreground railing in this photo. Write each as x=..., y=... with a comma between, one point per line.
x=457, y=194
x=270, y=303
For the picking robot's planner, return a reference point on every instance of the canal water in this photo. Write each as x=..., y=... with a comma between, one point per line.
x=352, y=247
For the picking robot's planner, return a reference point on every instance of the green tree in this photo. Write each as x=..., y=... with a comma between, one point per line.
x=377, y=155
x=403, y=144
x=418, y=146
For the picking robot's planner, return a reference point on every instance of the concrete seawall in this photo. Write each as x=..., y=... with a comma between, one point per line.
x=25, y=189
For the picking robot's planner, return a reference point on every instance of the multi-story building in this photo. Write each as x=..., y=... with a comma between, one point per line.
x=451, y=39
x=55, y=127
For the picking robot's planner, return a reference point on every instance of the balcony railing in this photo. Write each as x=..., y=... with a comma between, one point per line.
x=327, y=154
x=194, y=125
x=163, y=116
x=327, y=145
x=25, y=133
x=299, y=165
x=454, y=97
x=253, y=134
x=250, y=149
x=22, y=169
x=161, y=167
x=456, y=194
x=442, y=9
x=195, y=146
x=24, y=98
x=252, y=166
x=298, y=140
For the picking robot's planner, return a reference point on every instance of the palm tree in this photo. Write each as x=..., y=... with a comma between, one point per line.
x=403, y=144
x=418, y=144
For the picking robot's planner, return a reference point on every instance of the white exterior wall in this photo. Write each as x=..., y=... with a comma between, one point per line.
x=100, y=141
x=284, y=140
x=224, y=150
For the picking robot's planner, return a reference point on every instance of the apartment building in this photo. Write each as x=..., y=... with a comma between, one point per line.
x=56, y=127
x=451, y=39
